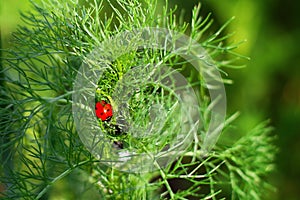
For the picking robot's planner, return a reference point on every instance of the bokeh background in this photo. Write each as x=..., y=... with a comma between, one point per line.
x=268, y=88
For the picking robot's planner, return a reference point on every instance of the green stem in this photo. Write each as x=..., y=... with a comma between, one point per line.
x=62, y=175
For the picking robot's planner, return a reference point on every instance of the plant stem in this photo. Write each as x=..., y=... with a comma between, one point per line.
x=62, y=175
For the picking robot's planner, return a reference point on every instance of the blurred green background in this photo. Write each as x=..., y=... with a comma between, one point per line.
x=268, y=88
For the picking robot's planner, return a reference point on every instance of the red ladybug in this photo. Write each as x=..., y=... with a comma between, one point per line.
x=103, y=110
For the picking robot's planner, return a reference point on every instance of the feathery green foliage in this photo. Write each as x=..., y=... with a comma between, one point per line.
x=38, y=136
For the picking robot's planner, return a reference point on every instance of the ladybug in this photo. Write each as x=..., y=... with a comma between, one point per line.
x=103, y=110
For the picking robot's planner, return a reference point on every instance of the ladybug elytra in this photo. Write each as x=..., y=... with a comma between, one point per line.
x=103, y=110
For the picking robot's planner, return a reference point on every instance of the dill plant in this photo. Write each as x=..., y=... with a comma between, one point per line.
x=39, y=140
